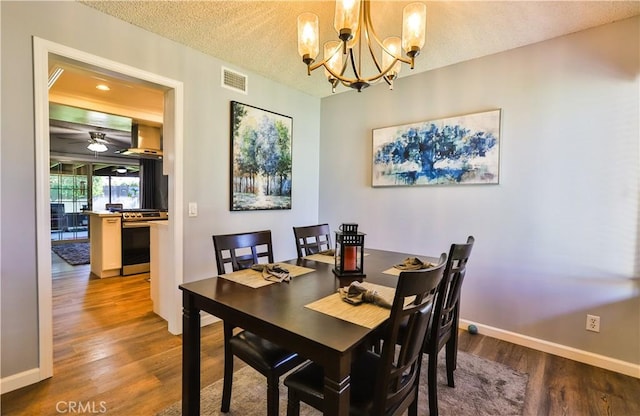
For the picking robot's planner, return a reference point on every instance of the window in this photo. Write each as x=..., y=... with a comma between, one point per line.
x=115, y=185
x=114, y=190
x=70, y=196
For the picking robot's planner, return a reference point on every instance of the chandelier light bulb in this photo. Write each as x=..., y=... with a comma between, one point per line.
x=308, y=42
x=346, y=18
x=414, y=22
x=333, y=56
x=390, y=54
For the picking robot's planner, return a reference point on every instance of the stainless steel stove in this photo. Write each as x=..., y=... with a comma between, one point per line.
x=129, y=215
x=136, y=256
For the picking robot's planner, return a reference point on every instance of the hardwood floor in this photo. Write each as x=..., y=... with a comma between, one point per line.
x=113, y=353
x=110, y=349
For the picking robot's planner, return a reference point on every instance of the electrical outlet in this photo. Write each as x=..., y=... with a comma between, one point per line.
x=593, y=323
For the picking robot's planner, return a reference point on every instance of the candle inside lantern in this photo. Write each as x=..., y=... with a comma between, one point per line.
x=350, y=254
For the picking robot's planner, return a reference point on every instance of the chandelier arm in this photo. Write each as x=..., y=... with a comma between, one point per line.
x=353, y=65
x=339, y=76
x=370, y=30
x=345, y=80
x=345, y=64
x=369, y=26
x=357, y=68
x=363, y=29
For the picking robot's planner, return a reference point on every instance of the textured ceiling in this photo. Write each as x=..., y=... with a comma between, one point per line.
x=261, y=35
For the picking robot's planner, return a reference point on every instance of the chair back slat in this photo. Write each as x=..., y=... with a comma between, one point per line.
x=242, y=250
x=312, y=239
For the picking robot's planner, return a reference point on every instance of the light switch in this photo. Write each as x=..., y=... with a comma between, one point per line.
x=193, y=209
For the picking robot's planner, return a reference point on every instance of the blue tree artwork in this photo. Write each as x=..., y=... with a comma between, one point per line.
x=260, y=159
x=454, y=150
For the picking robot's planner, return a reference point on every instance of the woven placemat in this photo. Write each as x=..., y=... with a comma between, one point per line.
x=364, y=314
x=321, y=258
x=254, y=279
x=396, y=272
x=392, y=271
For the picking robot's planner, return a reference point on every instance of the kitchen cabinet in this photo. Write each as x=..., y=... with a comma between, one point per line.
x=106, y=243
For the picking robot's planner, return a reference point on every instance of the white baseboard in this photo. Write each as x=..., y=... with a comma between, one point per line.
x=608, y=363
x=17, y=381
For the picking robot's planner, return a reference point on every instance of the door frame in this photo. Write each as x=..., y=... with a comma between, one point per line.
x=172, y=166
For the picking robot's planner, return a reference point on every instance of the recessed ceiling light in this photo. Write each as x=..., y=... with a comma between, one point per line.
x=103, y=87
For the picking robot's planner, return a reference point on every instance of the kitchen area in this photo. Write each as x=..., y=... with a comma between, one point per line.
x=107, y=183
x=107, y=200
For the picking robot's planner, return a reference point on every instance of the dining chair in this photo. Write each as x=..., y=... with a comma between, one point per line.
x=312, y=239
x=385, y=383
x=241, y=251
x=446, y=317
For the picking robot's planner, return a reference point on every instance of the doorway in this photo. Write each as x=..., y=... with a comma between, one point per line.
x=43, y=51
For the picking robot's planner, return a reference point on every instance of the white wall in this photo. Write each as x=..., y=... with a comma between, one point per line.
x=558, y=237
x=206, y=150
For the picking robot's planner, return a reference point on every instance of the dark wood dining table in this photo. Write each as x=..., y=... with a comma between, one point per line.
x=277, y=312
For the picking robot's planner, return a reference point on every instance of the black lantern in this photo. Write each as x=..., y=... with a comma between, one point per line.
x=349, y=258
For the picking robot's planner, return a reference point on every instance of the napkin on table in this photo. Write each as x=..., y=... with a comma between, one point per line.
x=413, y=263
x=356, y=294
x=272, y=272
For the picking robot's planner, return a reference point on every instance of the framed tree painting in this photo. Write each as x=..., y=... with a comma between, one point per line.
x=455, y=150
x=260, y=159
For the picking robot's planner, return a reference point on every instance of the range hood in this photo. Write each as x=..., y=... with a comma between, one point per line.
x=146, y=141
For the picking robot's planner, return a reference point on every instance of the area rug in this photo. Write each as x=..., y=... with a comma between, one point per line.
x=483, y=388
x=73, y=253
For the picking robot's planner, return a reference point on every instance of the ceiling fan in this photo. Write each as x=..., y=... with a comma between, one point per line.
x=74, y=138
x=125, y=169
x=97, y=142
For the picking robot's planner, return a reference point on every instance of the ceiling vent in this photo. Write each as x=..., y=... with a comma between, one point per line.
x=234, y=80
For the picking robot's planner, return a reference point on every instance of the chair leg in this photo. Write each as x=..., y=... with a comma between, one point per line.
x=451, y=358
x=293, y=404
x=273, y=396
x=433, y=384
x=413, y=407
x=228, y=369
x=455, y=334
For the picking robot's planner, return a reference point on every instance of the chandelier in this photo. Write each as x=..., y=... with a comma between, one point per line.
x=342, y=60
